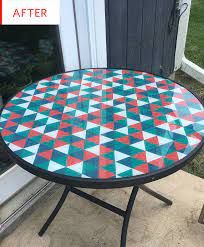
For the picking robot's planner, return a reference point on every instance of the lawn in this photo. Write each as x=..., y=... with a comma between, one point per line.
x=195, y=39
x=195, y=52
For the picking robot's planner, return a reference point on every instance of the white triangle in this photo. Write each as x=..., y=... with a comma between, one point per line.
x=40, y=95
x=120, y=156
x=63, y=149
x=163, y=140
x=193, y=141
x=141, y=103
x=143, y=87
x=77, y=167
x=185, y=122
x=176, y=100
x=24, y=105
x=104, y=130
x=164, y=126
x=140, y=77
x=157, y=79
x=104, y=139
x=131, y=121
x=151, y=156
x=49, y=105
x=81, y=134
x=40, y=116
x=136, y=173
x=180, y=131
x=40, y=129
x=91, y=125
x=94, y=149
x=30, y=92
x=67, y=109
x=79, y=113
x=53, y=166
x=13, y=147
x=144, y=118
x=132, y=96
x=152, y=100
x=120, y=168
x=33, y=149
x=29, y=112
x=122, y=106
x=139, y=145
x=122, y=113
x=116, y=96
x=52, y=120
x=53, y=92
x=30, y=159
x=21, y=128
x=161, y=90
x=181, y=155
x=193, y=110
x=147, y=135
x=57, y=81
x=123, y=130
x=52, y=134
x=127, y=87
x=171, y=106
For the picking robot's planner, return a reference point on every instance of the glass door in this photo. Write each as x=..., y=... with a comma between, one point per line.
x=27, y=54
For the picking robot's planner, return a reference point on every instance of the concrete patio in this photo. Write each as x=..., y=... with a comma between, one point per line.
x=153, y=224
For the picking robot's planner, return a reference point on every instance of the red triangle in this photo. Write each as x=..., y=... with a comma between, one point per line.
x=109, y=125
x=95, y=139
x=47, y=154
x=124, y=139
x=173, y=156
x=33, y=133
x=46, y=138
x=14, y=115
x=28, y=124
x=72, y=160
x=141, y=156
x=104, y=150
x=59, y=143
x=20, y=143
x=104, y=161
x=158, y=162
x=153, y=140
x=6, y=132
x=179, y=146
x=142, y=168
x=79, y=144
x=138, y=135
x=76, y=129
x=137, y=126
x=88, y=155
x=62, y=133
x=10, y=124
x=105, y=174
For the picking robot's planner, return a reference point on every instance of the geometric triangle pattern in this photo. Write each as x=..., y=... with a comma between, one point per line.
x=103, y=123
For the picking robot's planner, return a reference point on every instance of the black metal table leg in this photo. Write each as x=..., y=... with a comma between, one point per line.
x=55, y=211
x=155, y=194
x=127, y=216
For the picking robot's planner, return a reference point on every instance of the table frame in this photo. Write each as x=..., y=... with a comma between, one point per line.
x=135, y=182
x=124, y=213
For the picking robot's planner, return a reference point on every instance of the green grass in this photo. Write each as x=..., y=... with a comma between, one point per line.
x=195, y=39
x=196, y=166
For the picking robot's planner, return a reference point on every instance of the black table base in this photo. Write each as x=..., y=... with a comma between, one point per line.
x=124, y=213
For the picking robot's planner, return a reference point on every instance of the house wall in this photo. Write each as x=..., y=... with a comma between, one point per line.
x=141, y=34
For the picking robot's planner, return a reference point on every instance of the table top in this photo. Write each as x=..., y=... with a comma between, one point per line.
x=103, y=128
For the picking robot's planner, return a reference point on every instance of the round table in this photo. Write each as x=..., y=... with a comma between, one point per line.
x=103, y=128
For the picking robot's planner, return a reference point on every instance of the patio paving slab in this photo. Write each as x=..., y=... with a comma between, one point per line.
x=153, y=224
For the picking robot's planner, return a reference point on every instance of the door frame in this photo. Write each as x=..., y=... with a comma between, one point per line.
x=89, y=46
